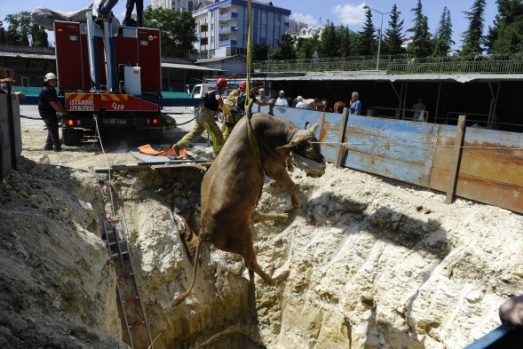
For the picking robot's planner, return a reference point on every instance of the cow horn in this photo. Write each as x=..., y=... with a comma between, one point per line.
x=313, y=127
x=300, y=136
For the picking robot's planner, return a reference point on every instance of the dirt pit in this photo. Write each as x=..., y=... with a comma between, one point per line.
x=369, y=263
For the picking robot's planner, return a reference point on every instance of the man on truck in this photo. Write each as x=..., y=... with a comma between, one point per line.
x=205, y=119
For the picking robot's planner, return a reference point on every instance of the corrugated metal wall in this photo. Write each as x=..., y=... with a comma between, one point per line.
x=10, y=142
x=489, y=166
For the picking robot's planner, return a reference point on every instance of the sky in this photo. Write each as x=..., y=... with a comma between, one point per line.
x=315, y=12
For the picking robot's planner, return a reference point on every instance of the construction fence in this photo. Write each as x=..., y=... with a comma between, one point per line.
x=10, y=133
x=479, y=164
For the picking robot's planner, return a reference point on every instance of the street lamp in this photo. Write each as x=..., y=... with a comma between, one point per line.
x=381, y=30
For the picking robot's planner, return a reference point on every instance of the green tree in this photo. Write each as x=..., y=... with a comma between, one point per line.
x=367, y=39
x=3, y=35
x=345, y=41
x=177, y=30
x=421, y=45
x=329, y=43
x=306, y=47
x=393, y=37
x=287, y=50
x=443, y=37
x=260, y=52
x=506, y=36
x=39, y=36
x=14, y=35
x=473, y=38
x=22, y=30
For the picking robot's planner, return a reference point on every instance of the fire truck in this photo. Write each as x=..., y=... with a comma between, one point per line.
x=110, y=81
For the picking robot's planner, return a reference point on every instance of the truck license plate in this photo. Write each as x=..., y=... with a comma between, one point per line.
x=114, y=121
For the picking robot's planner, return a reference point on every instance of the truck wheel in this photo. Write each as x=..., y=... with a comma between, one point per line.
x=71, y=136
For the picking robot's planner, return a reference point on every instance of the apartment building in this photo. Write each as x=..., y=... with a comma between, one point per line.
x=221, y=26
x=177, y=5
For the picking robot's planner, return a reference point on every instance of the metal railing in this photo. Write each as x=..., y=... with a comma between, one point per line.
x=400, y=64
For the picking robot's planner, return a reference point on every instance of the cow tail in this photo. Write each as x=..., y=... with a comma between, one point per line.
x=186, y=294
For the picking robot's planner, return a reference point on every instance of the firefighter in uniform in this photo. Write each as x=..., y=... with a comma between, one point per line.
x=205, y=119
x=48, y=106
x=236, y=114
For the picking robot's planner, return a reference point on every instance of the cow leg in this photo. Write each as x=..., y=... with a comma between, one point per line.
x=263, y=217
x=281, y=176
x=249, y=257
x=253, y=266
x=244, y=246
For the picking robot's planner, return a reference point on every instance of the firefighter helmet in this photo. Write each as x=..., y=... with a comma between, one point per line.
x=243, y=84
x=50, y=76
x=221, y=82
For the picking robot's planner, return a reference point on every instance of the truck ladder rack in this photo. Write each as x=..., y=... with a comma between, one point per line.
x=115, y=236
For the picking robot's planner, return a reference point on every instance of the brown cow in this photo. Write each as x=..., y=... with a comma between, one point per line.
x=233, y=184
x=322, y=105
x=338, y=107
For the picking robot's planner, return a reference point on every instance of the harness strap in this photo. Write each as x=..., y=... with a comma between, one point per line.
x=253, y=142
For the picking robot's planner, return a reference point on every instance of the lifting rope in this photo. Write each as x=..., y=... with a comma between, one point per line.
x=109, y=187
x=253, y=142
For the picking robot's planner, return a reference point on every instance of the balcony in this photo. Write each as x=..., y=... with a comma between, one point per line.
x=227, y=43
x=228, y=16
x=228, y=30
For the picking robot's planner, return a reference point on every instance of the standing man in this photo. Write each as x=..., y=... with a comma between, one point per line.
x=129, y=10
x=300, y=103
x=208, y=109
x=355, y=104
x=233, y=117
x=281, y=101
x=418, y=110
x=48, y=106
x=262, y=98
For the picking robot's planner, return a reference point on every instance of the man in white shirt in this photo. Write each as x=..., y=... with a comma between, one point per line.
x=300, y=103
x=281, y=101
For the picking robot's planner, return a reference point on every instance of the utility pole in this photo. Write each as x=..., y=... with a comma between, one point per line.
x=381, y=31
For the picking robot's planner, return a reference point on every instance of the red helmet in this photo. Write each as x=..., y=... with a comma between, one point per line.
x=221, y=82
x=243, y=84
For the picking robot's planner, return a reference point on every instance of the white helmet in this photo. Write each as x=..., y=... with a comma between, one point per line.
x=50, y=76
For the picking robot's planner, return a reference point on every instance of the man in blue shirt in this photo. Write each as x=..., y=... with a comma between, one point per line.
x=48, y=106
x=355, y=104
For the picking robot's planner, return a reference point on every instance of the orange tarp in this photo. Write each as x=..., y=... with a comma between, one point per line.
x=147, y=149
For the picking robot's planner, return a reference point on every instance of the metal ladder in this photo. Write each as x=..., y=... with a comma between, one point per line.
x=115, y=236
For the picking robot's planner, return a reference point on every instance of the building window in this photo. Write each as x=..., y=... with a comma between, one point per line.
x=263, y=30
x=264, y=17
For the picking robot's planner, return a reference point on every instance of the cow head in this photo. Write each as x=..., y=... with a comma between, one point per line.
x=305, y=151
